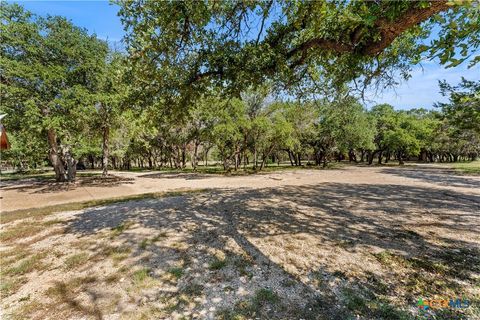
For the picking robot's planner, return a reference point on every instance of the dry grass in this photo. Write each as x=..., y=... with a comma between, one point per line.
x=76, y=260
x=21, y=231
x=41, y=212
x=26, y=265
x=313, y=252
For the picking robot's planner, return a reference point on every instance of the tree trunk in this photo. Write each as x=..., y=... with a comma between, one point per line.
x=371, y=155
x=71, y=163
x=264, y=160
x=92, y=161
x=206, y=156
x=54, y=156
x=106, y=131
x=184, y=158
x=195, y=156
x=352, y=157
x=290, y=157
x=400, y=158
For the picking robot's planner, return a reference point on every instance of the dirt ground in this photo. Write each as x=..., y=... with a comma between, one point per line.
x=355, y=243
x=32, y=193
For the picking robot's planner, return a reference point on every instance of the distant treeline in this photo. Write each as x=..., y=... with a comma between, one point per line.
x=71, y=102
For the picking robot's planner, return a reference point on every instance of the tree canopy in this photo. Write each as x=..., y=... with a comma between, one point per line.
x=239, y=83
x=185, y=47
x=49, y=80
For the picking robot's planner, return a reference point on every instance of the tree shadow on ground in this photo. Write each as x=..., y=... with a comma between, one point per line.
x=293, y=234
x=46, y=186
x=438, y=176
x=176, y=175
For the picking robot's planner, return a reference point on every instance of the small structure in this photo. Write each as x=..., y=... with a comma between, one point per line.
x=4, y=144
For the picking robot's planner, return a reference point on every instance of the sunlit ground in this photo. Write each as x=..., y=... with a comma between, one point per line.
x=323, y=251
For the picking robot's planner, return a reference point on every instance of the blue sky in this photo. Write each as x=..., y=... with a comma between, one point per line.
x=421, y=90
x=100, y=17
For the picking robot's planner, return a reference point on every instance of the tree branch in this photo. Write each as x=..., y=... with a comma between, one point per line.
x=389, y=31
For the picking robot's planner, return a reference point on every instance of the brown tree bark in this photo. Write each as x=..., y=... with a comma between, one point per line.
x=106, y=132
x=71, y=163
x=54, y=156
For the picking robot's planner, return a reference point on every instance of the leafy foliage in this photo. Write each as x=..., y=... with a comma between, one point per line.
x=244, y=84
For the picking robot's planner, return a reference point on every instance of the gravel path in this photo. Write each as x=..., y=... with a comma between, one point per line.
x=26, y=194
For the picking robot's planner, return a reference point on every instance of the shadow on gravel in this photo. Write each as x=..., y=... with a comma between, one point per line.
x=411, y=226
x=170, y=175
x=437, y=176
x=46, y=186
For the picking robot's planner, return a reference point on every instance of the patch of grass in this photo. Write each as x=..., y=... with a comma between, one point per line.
x=461, y=261
x=113, y=277
x=177, y=272
x=143, y=278
x=29, y=310
x=472, y=167
x=61, y=289
x=365, y=303
x=20, y=231
x=9, y=257
x=38, y=175
x=288, y=282
x=118, y=254
x=354, y=301
x=384, y=310
x=141, y=275
x=118, y=230
x=242, y=263
x=53, y=222
x=428, y=275
x=391, y=259
x=143, y=245
x=158, y=237
x=27, y=265
x=76, y=260
x=263, y=296
x=10, y=286
x=376, y=284
x=193, y=289
x=425, y=284
x=145, y=242
x=217, y=264
x=45, y=211
x=345, y=244
x=429, y=265
x=252, y=307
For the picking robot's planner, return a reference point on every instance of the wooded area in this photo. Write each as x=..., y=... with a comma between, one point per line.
x=328, y=205
x=244, y=84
